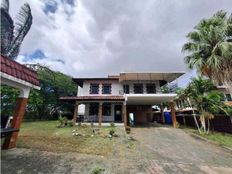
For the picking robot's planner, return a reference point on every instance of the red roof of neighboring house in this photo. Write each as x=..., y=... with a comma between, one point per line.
x=88, y=98
x=228, y=103
x=15, y=69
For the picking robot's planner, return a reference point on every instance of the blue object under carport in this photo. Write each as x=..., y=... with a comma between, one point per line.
x=168, y=118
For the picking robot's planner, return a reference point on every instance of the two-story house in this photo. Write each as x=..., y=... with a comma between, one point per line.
x=114, y=98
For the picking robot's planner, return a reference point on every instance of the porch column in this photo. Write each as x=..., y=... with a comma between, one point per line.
x=100, y=115
x=162, y=113
x=124, y=114
x=18, y=115
x=75, y=114
x=173, y=114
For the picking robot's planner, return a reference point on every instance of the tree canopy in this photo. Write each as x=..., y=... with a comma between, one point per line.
x=43, y=103
x=209, y=48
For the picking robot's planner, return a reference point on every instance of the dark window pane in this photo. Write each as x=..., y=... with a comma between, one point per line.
x=93, y=109
x=106, y=109
x=94, y=88
x=162, y=83
x=106, y=89
x=126, y=89
x=228, y=97
x=138, y=88
x=151, y=88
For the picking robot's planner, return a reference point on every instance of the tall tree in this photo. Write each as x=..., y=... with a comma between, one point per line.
x=13, y=33
x=210, y=48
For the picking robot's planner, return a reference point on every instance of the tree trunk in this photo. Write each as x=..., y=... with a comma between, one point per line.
x=208, y=126
x=194, y=115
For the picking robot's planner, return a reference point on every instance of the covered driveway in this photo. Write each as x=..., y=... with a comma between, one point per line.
x=140, y=106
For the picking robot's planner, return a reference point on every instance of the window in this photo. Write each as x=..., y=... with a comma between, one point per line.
x=228, y=97
x=106, y=89
x=106, y=109
x=94, y=88
x=126, y=89
x=93, y=109
x=151, y=88
x=138, y=88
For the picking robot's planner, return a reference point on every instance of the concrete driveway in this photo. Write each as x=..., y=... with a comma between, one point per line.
x=154, y=150
x=174, y=151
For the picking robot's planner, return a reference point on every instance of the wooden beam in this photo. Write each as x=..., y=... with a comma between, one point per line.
x=75, y=114
x=124, y=114
x=100, y=115
x=173, y=114
x=17, y=119
x=162, y=113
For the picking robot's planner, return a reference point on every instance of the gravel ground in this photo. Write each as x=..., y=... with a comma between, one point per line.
x=153, y=150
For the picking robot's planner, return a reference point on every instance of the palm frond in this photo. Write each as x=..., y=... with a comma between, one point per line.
x=21, y=29
x=194, y=36
x=5, y=5
x=7, y=28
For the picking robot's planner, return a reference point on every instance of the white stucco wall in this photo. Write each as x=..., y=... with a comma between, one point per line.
x=116, y=89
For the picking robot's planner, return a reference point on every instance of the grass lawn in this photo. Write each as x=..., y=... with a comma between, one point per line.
x=44, y=135
x=220, y=138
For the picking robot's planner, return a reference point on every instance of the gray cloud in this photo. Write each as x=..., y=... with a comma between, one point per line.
x=106, y=37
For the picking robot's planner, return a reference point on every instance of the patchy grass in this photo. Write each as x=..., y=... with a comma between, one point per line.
x=220, y=138
x=44, y=135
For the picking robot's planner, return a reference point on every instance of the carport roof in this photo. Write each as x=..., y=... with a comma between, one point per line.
x=149, y=99
x=167, y=76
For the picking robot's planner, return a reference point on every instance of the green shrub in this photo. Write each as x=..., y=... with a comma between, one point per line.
x=70, y=123
x=97, y=170
x=112, y=124
x=63, y=121
x=128, y=129
x=112, y=132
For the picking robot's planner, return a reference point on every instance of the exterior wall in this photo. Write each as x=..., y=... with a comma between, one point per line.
x=115, y=88
x=142, y=113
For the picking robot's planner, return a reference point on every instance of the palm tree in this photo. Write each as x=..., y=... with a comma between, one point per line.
x=201, y=94
x=12, y=34
x=210, y=48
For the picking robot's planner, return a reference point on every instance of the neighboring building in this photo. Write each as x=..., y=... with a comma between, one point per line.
x=114, y=98
x=227, y=95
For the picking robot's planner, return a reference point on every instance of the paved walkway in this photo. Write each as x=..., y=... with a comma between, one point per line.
x=159, y=150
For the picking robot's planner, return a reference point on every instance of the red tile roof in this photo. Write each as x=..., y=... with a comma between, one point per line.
x=88, y=98
x=15, y=69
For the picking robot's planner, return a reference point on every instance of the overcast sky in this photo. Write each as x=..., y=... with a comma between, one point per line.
x=86, y=38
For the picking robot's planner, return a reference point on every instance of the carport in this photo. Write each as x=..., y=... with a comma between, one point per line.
x=141, y=106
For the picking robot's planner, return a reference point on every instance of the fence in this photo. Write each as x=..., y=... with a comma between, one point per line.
x=220, y=123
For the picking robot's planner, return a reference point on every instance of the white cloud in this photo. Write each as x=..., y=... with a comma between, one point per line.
x=96, y=38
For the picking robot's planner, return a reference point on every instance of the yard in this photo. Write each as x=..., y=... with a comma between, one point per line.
x=223, y=139
x=46, y=136
x=44, y=148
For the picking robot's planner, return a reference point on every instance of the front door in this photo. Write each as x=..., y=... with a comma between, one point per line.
x=118, y=113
